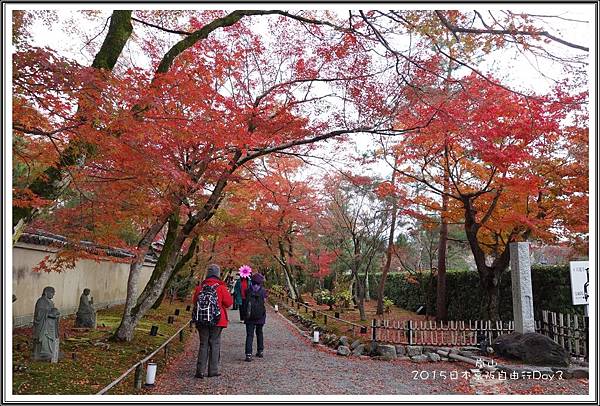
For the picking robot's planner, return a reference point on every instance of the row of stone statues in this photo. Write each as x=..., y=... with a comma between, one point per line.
x=46, y=321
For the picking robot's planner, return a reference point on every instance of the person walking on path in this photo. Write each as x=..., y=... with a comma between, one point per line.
x=240, y=288
x=256, y=316
x=209, y=352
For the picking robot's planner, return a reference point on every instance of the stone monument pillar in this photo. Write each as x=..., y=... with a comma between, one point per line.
x=522, y=296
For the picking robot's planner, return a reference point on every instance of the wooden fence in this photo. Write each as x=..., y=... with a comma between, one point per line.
x=439, y=333
x=569, y=331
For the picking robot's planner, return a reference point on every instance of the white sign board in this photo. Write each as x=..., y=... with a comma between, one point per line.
x=580, y=282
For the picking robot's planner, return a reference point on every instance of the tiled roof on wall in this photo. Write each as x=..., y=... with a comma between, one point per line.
x=45, y=238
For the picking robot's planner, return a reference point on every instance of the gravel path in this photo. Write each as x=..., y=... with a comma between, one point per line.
x=292, y=366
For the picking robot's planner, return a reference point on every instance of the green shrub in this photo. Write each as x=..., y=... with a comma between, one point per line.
x=551, y=291
x=324, y=296
x=317, y=295
x=343, y=298
x=387, y=304
x=277, y=289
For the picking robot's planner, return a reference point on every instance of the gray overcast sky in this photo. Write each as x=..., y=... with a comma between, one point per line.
x=518, y=71
x=521, y=72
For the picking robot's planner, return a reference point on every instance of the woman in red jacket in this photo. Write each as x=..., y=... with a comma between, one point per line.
x=210, y=336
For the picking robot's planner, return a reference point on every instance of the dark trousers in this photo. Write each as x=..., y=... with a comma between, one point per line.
x=250, y=337
x=210, y=350
x=242, y=310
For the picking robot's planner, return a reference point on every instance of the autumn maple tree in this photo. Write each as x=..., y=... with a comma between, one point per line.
x=124, y=154
x=493, y=145
x=166, y=145
x=275, y=213
x=474, y=31
x=458, y=40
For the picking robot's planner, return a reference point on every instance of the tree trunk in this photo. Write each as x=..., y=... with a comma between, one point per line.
x=18, y=230
x=441, y=302
x=176, y=236
x=152, y=292
x=360, y=292
x=287, y=272
x=289, y=283
x=490, y=285
x=489, y=276
x=471, y=231
x=196, y=263
x=167, y=251
x=125, y=330
x=431, y=279
x=180, y=264
x=352, y=290
x=389, y=251
x=355, y=272
x=386, y=268
x=119, y=31
x=498, y=268
x=367, y=285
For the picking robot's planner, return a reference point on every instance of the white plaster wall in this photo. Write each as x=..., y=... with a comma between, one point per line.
x=106, y=280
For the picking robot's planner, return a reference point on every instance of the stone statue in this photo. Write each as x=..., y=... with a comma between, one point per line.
x=45, y=328
x=86, y=314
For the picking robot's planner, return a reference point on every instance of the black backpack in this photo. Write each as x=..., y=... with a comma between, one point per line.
x=255, y=305
x=206, y=309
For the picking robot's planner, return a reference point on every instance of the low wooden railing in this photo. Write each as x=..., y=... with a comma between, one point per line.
x=139, y=366
x=569, y=331
x=291, y=303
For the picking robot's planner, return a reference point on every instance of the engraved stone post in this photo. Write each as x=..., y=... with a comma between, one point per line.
x=522, y=296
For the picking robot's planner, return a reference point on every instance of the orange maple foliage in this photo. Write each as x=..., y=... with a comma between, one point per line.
x=511, y=167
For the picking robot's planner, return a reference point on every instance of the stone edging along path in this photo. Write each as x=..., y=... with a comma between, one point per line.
x=294, y=366
x=422, y=354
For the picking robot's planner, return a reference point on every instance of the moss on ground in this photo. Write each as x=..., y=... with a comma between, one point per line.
x=90, y=359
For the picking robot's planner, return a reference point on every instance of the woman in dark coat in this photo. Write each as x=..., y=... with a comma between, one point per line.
x=258, y=324
x=240, y=288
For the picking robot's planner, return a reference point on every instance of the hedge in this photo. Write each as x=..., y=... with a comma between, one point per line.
x=551, y=291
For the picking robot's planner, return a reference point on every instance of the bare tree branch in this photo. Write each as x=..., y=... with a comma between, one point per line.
x=456, y=29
